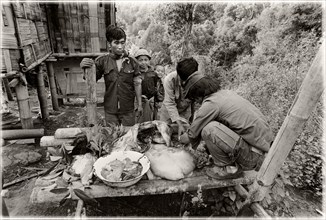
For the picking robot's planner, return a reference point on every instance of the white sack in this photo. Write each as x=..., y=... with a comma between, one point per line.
x=169, y=162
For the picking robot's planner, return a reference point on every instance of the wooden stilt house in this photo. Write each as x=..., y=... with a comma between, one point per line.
x=33, y=33
x=25, y=44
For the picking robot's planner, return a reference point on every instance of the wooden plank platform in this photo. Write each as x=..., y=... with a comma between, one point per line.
x=41, y=193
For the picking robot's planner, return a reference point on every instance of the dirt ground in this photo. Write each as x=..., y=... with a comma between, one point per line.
x=302, y=203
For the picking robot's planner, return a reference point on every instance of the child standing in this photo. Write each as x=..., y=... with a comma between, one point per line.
x=152, y=88
x=122, y=79
x=160, y=71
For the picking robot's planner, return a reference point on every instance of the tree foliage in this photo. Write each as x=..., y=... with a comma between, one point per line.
x=260, y=50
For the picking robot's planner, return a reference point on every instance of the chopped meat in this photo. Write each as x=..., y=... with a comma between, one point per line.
x=118, y=170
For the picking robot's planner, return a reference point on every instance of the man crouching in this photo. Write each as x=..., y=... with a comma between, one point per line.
x=235, y=131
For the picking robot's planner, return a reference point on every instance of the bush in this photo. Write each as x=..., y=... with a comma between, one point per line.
x=270, y=79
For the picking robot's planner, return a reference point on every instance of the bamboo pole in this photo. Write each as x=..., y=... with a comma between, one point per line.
x=91, y=94
x=24, y=106
x=22, y=134
x=79, y=209
x=14, y=82
x=241, y=191
x=94, y=26
x=41, y=93
x=53, y=88
x=7, y=63
x=259, y=210
x=7, y=89
x=305, y=102
x=83, y=55
x=255, y=206
x=10, y=74
x=17, y=32
x=15, y=124
x=36, y=63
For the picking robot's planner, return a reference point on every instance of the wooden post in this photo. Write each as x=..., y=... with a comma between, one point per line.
x=6, y=57
x=7, y=89
x=22, y=134
x=91, y=95
x=24, y=106
x=79, y=209
x=255, y=207
x=305, y=102
x=53, y=88
x=93, y=22
x=42, y=96
x=81, y=55
x=109, y=11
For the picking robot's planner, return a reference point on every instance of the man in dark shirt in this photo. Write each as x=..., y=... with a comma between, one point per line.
x=122, y=79
x=235, y=131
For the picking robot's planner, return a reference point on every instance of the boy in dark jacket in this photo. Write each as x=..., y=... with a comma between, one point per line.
x=152, y=88
x=122, y=79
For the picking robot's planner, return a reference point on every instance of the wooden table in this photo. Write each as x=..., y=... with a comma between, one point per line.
x=41, y=192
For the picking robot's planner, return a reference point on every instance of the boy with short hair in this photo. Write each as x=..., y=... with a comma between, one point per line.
x=152, y=88
x=122, y=79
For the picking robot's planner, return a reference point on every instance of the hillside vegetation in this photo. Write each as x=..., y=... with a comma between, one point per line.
x=262, y=51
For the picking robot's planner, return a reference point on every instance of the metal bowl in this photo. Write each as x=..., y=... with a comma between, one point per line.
x=121, y=155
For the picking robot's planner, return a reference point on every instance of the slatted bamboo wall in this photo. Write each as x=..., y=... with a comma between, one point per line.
x=79, y=27
x=29, y=22
x=9, y=46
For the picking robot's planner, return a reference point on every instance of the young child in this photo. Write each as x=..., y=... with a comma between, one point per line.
x=160, y=71
x=152, y=88
x=122, y=79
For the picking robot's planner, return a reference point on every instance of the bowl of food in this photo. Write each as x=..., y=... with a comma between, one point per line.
x=121, y=168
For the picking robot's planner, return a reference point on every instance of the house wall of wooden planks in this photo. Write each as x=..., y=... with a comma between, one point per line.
x=77, y=29
x=25, y=38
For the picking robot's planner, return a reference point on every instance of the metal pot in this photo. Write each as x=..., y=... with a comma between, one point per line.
x=121, y=155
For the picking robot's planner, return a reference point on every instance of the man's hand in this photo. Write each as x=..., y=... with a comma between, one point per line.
x=144, y=99
x=139, y=112
x=86, y=63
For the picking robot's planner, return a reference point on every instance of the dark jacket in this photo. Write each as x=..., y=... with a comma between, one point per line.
x=119, y=85
x=152, y=85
